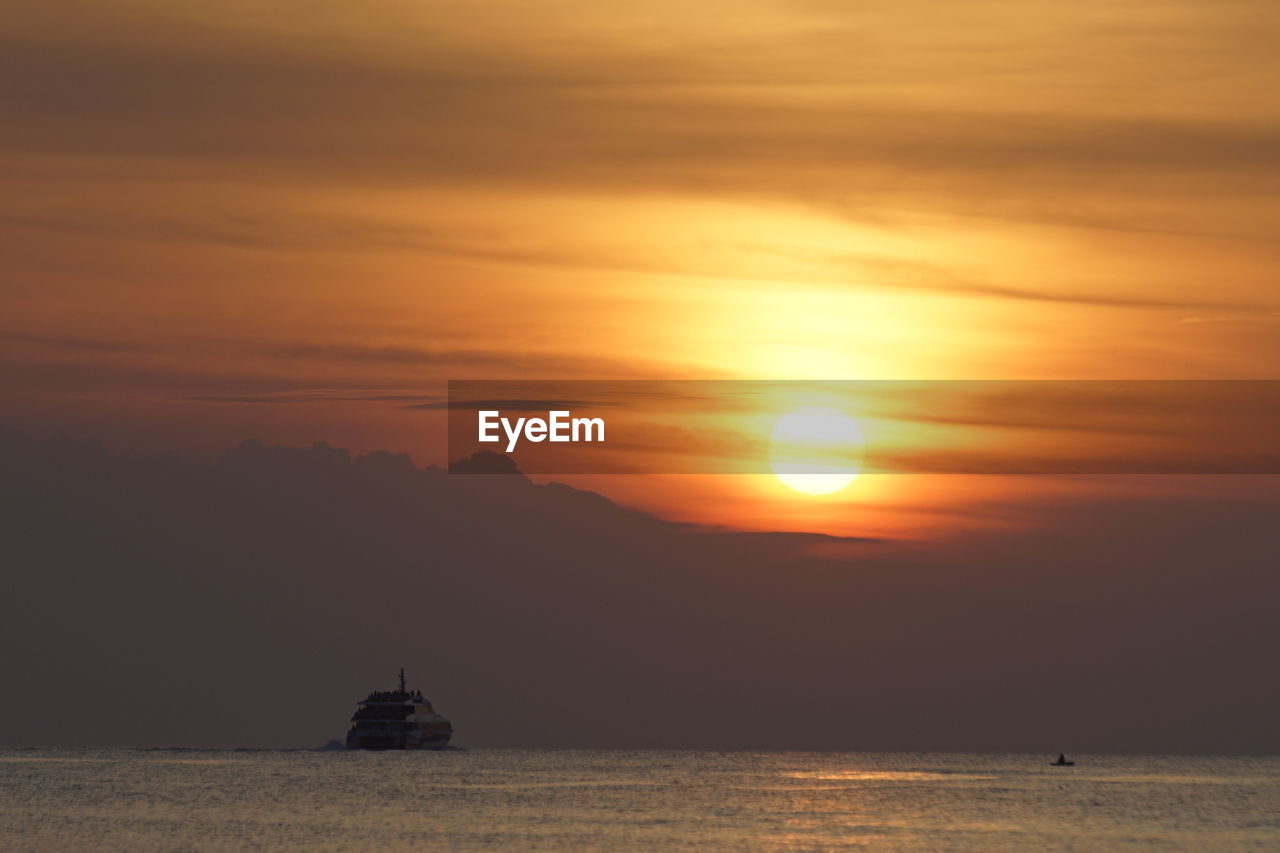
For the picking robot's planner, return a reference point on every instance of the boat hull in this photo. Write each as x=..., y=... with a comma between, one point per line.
x=380, y=741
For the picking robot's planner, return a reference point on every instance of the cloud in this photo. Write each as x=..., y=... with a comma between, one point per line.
x=71, y=343
x=612, y=116
x=408, y=401
x=239, y=228
x=298, y=230
x=295, y=570
x=514, y=405
x=214, y=370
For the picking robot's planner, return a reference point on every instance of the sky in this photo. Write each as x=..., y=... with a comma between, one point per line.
x=297, y=222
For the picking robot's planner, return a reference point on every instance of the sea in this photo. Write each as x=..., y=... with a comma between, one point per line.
x=562, y=800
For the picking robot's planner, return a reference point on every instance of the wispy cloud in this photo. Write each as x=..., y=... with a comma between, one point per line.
x=612, y=116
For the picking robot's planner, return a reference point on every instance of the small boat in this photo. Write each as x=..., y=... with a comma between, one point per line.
x=1062, y=762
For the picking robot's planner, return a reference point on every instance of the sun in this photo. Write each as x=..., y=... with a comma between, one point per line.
x=816, y=450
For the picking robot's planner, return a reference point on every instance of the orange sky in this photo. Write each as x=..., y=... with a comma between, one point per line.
x=295, y=221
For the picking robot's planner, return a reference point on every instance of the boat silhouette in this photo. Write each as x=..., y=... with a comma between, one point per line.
x=398, y=719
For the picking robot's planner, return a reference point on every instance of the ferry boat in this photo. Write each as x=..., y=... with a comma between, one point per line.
x=397, y=719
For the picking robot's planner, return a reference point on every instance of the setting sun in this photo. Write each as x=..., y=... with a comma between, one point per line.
x=816, y=450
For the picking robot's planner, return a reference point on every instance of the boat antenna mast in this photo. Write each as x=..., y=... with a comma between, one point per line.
x=402, y=680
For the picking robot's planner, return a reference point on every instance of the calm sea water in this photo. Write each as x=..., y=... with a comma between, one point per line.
x=564, y=800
